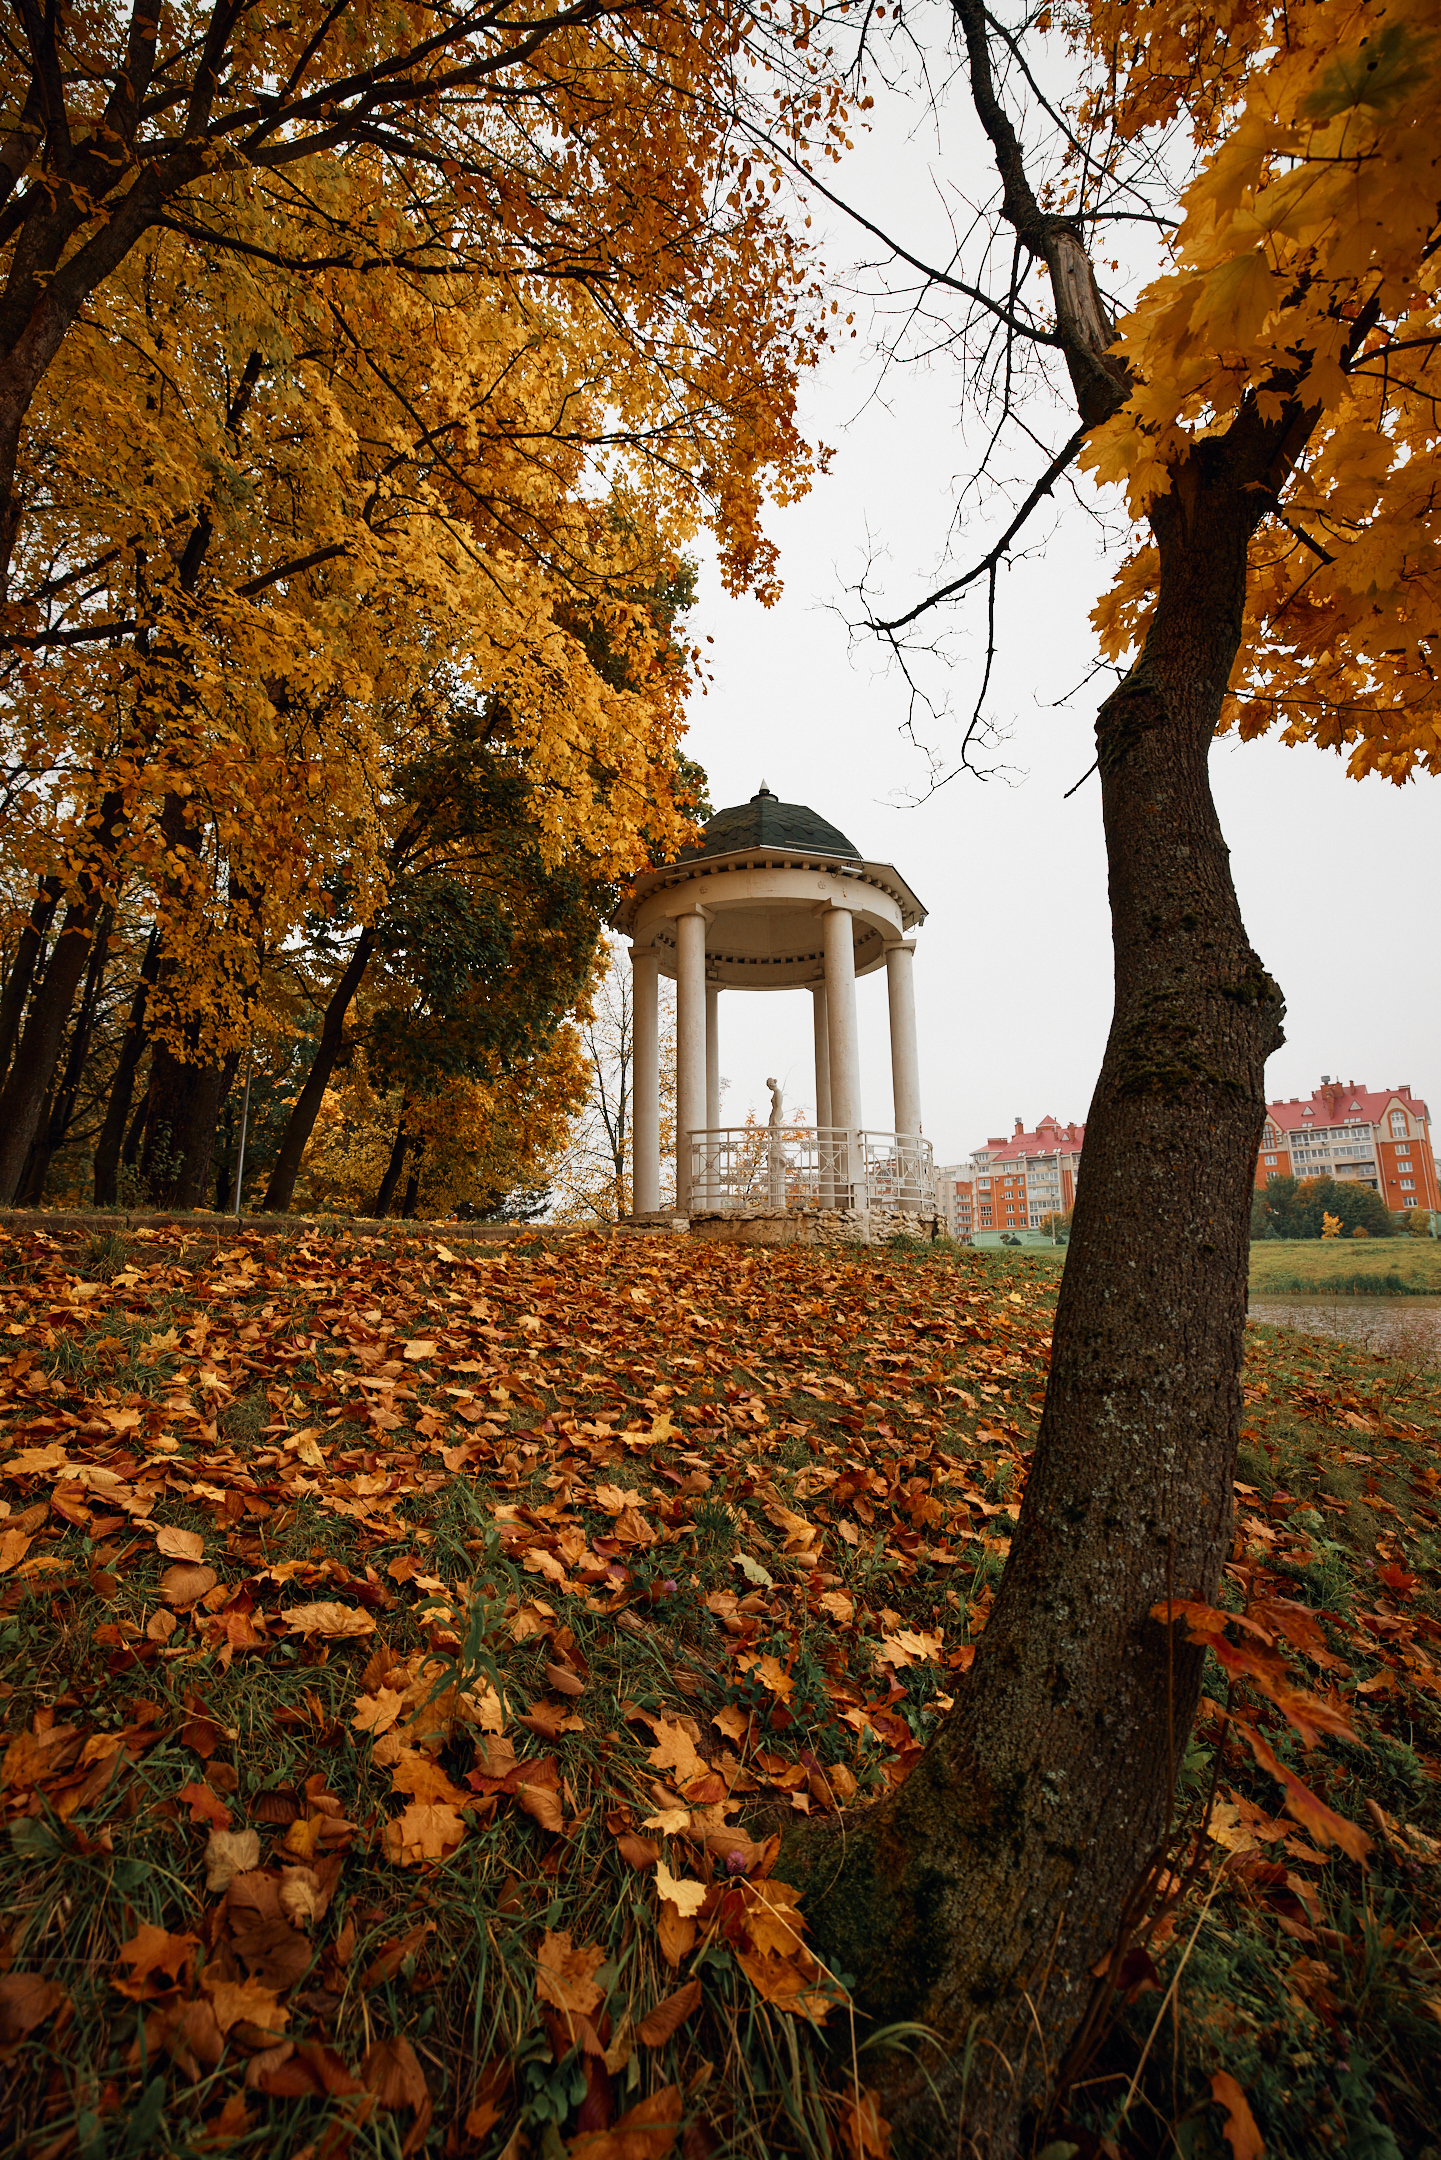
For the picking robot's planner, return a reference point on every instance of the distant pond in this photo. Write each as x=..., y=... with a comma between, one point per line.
x=1405, y=1327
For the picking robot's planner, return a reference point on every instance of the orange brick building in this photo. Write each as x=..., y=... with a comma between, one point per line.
x=1014, y=1184
x=1379, y=1136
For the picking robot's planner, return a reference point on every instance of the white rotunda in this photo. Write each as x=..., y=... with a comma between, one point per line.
x=775, y=898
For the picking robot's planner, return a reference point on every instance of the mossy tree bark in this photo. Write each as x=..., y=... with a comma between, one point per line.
x=978, y=1899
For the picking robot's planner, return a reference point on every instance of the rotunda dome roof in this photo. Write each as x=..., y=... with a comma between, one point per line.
x=766, y=822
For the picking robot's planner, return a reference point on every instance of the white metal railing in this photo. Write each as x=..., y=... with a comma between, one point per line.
x=761, y=1170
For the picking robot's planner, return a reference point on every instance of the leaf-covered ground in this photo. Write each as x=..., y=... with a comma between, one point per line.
x=409, y=1656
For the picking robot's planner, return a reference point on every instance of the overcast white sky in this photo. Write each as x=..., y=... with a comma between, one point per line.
x=1338, y=880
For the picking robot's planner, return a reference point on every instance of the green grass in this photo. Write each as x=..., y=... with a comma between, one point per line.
x=1346, y=1267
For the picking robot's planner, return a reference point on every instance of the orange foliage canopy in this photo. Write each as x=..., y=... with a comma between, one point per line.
x=1304, y=265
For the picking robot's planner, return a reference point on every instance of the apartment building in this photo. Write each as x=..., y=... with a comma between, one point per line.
x=1379, y=1136
x=1013, y=1184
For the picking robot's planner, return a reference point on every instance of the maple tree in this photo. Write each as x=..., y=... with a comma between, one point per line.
x=1267, y=403
x=298, y=437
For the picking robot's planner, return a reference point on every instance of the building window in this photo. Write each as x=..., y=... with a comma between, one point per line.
x=1398, y=1123
x=1270, y=1158
x=1408, y=1184
x=1408, y=1203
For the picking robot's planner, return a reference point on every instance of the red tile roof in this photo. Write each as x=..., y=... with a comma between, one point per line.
x=1048, y=1136
x=1334, y=1104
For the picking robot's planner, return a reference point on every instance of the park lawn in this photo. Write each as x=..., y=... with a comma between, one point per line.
x=407, y=1654
x=1374, y=1267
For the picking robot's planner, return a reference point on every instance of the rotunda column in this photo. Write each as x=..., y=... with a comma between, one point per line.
x=845, y=1059
x=827, y=1192
x=690, y=1059
x=645, y=1080
x=712, y=1094
x=905, y=1058
x=905, y=1068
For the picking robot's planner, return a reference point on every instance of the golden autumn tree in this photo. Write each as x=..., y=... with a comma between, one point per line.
x=405, y=370
x=1268, y=401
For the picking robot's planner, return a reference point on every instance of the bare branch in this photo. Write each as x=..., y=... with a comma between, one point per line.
x=986, y=567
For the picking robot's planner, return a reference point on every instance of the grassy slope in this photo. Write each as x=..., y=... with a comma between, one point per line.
x=575, y=1451
x=1298, y=1266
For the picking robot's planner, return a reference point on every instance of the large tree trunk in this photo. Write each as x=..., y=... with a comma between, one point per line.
x=29, y=947
x=27, y=1088
x=301, y=1123
x=132, y=1049
x=978, y=1898
x=60, y=1109
x=184, y=1105
x=381, y=1204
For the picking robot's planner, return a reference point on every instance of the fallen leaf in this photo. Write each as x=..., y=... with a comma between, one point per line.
x=26, y=2000
x=686, y=1895
x=1239, y=2129
x=564, y=1974
x=156, y=1960
x=186, y=1584
x=645, y=2132
x=228, y=1854
x=391, y=2070
x=328, y=1619
x=179, y=1544
x=667, y=2017
x=249, y=2001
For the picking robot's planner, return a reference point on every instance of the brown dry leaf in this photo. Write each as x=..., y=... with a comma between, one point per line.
x=1239, y=2130
x=309, y=2071
x=185, y=1584
x=564, y=1974
x=249, y=2001
x=645, y=2132
x=228, y=1854
x=675, y=1750
x=14, y=1544
x=391, y=2070
x=415, y=1351
x=161, y=1625
x=156, y=1960
x=179, y=1544
x=422, y=1777
x=542, y=1803
x=667, y=2017
x=305, y=1895
x=867, y=2133
x=377, y=1713
x=328, y=1618
x=26, y=2000
x=675, y=1934
x=426, y=1830
x=684, y=1892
